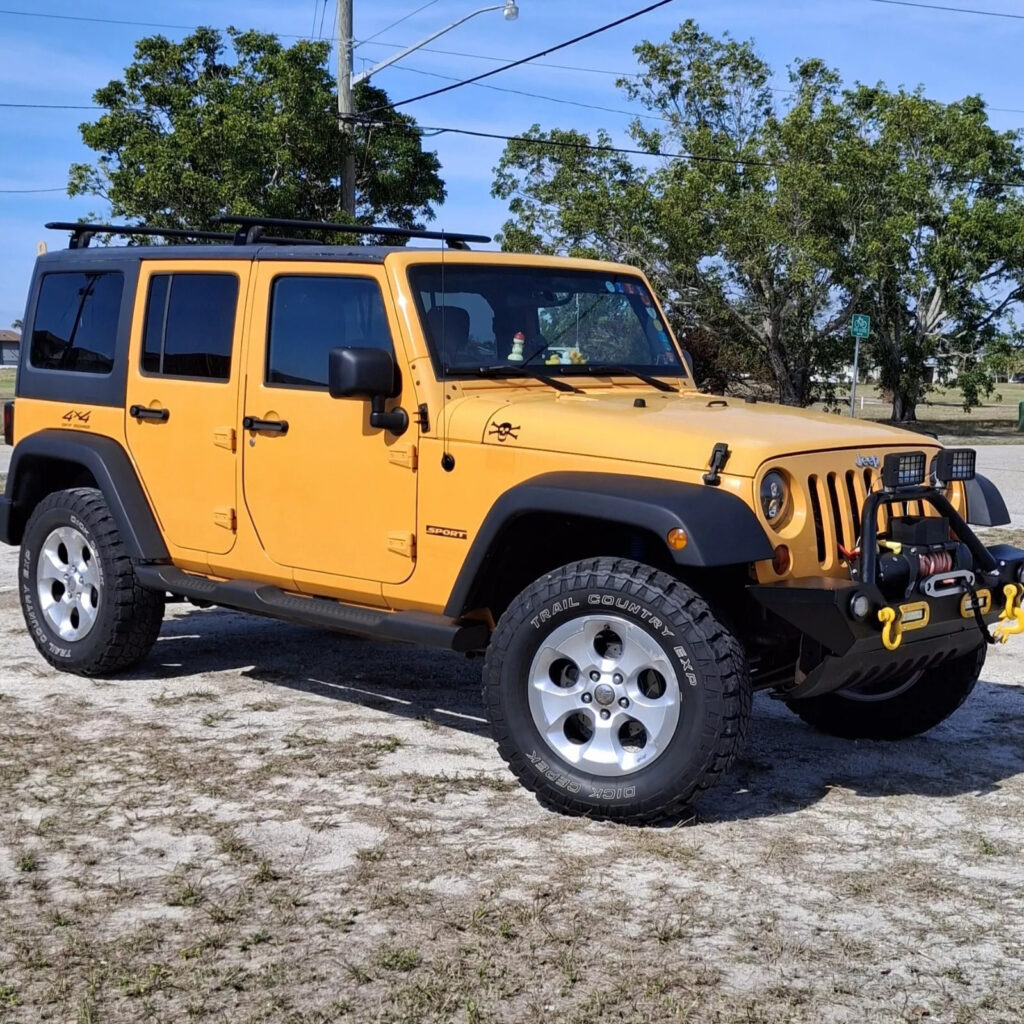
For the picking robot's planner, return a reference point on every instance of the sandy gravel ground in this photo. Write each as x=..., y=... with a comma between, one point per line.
x=265, y=823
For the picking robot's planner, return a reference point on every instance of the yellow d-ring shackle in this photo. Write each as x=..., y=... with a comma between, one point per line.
x=892, y=628
x=1012, y=616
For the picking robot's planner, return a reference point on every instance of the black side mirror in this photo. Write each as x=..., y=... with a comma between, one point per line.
x=362, y=373
x=368, y=373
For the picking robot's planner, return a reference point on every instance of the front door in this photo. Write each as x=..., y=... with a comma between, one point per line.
x=182, y=398
x=326, y=492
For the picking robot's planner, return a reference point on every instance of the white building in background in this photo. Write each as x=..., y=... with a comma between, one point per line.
x=10, y=346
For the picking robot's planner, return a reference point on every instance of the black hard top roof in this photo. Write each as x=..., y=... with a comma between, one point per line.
x=313, y=253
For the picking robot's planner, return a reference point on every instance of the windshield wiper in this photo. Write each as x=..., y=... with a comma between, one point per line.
x=625, y=372
x=498, y=372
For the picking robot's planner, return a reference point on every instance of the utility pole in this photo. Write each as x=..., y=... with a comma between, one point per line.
x=345, y=106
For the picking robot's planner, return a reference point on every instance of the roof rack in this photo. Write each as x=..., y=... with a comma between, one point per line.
x=82, y=233
x=250, y=230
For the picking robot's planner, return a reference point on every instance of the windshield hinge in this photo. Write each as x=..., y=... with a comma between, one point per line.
x=423, y=418
x=719, y=457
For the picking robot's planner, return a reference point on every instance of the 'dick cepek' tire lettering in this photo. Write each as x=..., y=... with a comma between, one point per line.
x=614, y=692
x=81, y=601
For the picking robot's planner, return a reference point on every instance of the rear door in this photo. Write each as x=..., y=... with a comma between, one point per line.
x=327, y=493
x=182, y=398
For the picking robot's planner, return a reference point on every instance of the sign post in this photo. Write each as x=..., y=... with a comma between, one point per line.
x=860, y=327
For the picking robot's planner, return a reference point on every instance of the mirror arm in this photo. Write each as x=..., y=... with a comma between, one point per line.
x=396, y=421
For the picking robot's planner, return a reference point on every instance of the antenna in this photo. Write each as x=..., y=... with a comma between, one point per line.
x=447, y=459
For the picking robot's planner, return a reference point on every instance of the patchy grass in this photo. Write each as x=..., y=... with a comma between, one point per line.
x=263, y=824
x=992, y=422
x=7, y=376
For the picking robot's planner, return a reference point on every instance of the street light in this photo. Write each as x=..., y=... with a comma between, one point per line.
x=509, y=9
x=346, y=80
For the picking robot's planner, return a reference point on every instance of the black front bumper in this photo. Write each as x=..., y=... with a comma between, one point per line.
x=838, y=650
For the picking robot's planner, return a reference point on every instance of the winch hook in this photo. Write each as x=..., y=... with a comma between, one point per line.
x=1011, y=618
x=892, y=628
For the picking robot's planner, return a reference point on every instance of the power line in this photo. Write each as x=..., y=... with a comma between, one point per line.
x=405, y=17
x=50, y=106
x=133, y=24
x=691, y=157
x=484, y=56
x=534, y=56
x=371, y=41
x=952, y=10
x=26, y=191
x=539, y=96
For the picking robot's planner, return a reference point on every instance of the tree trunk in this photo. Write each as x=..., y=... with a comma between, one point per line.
x=904, y=408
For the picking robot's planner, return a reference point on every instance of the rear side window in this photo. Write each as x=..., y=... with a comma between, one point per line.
x=311, y=315
x=190, y=325
x=75, y=324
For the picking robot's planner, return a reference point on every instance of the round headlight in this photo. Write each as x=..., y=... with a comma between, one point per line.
x=775, y=497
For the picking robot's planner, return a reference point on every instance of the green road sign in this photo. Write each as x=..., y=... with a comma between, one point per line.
x=861, y=325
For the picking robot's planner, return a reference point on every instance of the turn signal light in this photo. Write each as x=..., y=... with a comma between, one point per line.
x=677, y=539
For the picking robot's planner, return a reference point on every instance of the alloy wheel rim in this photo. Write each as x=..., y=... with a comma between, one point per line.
x=68, y=583
x=604, y=695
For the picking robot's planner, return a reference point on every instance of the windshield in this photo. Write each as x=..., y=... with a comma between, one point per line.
x=565, y=322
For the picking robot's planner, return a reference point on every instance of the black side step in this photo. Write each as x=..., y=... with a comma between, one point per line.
x=264, y=599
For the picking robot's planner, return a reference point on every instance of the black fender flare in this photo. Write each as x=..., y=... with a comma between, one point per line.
x=985, y=505
x=108, y=464
x=722, y=529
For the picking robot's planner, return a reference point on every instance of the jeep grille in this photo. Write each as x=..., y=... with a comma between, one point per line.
x=836, y=501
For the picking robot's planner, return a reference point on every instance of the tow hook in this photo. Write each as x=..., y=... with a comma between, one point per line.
x=1012, y=616
x=892, y=628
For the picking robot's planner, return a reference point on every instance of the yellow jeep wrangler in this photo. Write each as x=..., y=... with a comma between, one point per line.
x=489, y=453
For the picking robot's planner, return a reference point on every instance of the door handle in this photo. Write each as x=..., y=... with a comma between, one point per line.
x=142, y=412
x=257, y=425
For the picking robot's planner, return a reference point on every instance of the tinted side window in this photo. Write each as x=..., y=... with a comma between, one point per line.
x=76, y=322
x=311, y=315
x=190, y=325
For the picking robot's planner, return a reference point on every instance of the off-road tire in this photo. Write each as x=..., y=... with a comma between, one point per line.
x=127, y=618
x=921, y=706
x=711, y=672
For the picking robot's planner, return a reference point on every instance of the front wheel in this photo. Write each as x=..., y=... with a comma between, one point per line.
x=614, y=692
x=895, y=709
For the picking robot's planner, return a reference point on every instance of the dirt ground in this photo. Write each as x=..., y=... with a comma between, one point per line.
x=266, y=823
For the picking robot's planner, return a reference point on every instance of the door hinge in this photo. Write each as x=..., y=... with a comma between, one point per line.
x=403, y=455
x=224, y=437
x=225, y=517
x=402, y=544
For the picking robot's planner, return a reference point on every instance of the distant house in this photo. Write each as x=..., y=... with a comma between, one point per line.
x=10, y=345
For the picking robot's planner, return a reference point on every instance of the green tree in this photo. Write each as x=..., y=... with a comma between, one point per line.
x=748, y=236
x=940, y=259
x=188, y=135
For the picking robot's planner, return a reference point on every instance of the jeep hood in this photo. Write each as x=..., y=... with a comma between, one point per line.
x=677, y=430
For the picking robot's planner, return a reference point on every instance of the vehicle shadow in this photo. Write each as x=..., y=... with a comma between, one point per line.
x=785, y=767
x=413, y=682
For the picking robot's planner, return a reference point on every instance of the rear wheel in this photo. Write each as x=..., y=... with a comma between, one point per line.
x=895, y=709
x=82, y=604
x=614, y=692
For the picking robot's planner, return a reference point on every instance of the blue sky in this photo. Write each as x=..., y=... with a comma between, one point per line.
x=63, y=62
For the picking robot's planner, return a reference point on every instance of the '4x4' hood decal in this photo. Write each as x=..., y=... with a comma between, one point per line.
x=667, y=430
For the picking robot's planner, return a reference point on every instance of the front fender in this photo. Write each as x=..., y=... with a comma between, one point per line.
x=722, y=530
